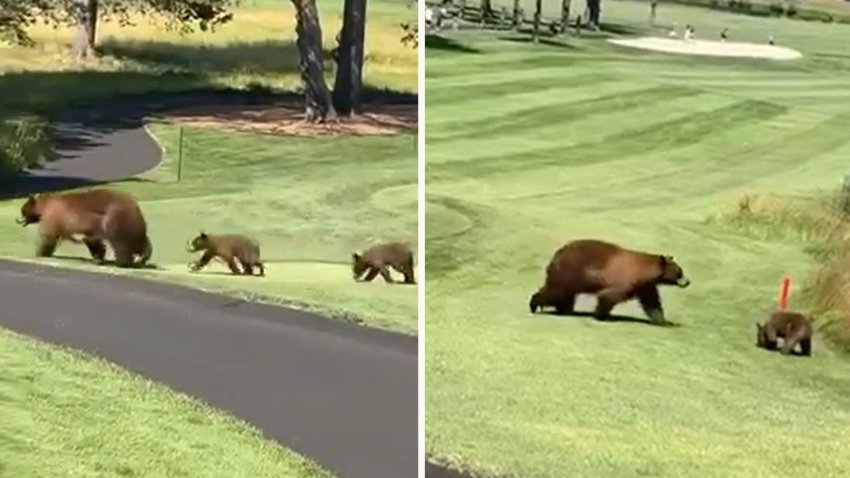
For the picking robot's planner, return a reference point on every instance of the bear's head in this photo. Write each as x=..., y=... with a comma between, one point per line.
x=199, y=243
x=31, y=211
x=358, y=265
x=671, y=272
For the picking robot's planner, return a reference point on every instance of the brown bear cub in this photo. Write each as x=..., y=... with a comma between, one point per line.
x=230, y=248
x=613, y=273
x=100, y=216
x=378, y=258
x=792, y=327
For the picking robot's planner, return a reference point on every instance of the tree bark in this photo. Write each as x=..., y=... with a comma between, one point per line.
x=565, y=15
x=86, y=12
x=317, y=96
x=516, y=15
x=594, y=8
x=348, y=85
x=538, y=7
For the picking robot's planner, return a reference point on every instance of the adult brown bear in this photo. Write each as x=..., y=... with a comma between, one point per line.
x=613, y=273
x=792, y=327
x=98, y=215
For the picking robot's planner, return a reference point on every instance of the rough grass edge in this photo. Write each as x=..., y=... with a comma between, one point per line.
x=822, y=223
x=24, y=143
x=179, y=399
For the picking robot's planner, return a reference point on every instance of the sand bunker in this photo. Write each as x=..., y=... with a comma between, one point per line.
x=711, y=48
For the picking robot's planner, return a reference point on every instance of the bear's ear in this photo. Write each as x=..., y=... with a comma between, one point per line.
x=202, y=235
x=663, y=261
x=355, y=256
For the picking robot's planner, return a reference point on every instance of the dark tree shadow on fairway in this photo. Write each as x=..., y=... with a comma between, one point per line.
x=84, y=107
x=541, y=41
x=622, y=29
x=271, y=56
x=437, y=42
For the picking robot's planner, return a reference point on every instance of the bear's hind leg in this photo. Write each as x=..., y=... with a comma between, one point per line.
x=566, y=305
x=806, y=346
x=123, y=255
x=46, y=246
x=650, y=302
x=606, y=300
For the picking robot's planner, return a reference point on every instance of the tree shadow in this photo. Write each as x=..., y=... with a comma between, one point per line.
x=621, y=29
x=613, y=318
x=84, y=107
x=438, y=42
x=541, y=41
x=270, y=56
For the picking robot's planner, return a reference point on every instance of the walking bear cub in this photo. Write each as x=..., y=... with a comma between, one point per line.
x=613, y=273
x=378, y=258
x=99, y=215
x=229, y=248
x=792, y=327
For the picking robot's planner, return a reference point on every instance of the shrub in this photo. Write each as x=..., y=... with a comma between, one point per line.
x=23, y=143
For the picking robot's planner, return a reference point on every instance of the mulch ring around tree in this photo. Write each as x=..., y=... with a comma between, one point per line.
x=287, y=118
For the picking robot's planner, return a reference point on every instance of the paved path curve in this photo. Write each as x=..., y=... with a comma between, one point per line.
x=340, y=394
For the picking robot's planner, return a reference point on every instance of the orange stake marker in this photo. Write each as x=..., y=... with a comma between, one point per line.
x=784, y=292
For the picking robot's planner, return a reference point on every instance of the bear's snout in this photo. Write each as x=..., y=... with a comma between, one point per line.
x=683, y=282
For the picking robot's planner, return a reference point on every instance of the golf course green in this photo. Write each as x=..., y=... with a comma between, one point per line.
x=530, y=146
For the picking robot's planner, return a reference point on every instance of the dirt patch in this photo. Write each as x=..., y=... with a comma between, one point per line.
x=711, y=48
x=288, y=119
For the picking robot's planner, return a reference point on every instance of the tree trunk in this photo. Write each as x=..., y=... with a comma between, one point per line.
x=516, y=15
x=565, y=15
x=349, y=73
x=86, y=12
x=317, y=96
x=486, y=10
x=538, y=6
x=594, y=8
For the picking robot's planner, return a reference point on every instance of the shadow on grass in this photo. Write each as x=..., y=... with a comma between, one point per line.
x=432, y=470
x=437, y=42
x=107, y=263
x=541, y=41
x=272, y=56
x=613, y=318
x=86, y=107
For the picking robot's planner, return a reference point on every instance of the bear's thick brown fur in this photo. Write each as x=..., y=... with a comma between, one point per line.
x=613, y=273
x=99, y=215
x=229, y=248
x=378, y=258
x=792, y=327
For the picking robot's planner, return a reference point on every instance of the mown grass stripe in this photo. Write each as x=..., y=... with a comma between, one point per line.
x=656, y=137
x=522, y=121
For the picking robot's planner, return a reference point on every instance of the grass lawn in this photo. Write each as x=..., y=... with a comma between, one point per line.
x=66, y=415
x=531, y=146
x=310, y=202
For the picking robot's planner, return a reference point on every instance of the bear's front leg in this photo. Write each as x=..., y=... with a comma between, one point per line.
x=370, y=276
x=386, y=274
x=650, y=302
x=202, y=262
x=46, y=246
x=96, y=248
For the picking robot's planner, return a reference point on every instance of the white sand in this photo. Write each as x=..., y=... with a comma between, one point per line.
x=711, y=48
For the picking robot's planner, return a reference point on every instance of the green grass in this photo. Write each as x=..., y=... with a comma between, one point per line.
x=528, y=147
x=66, y=415
x=310, y=202
x=257, y=47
